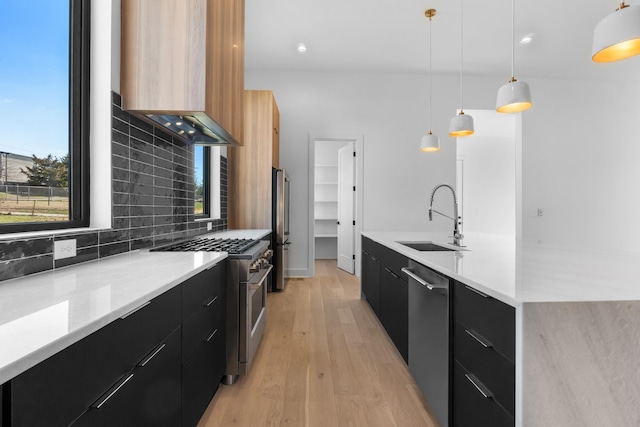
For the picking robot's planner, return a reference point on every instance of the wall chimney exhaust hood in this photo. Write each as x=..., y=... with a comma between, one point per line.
x=182, y=67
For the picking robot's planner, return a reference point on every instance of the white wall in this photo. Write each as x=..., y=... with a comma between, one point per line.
x=390, y=110
x=581, y=164
x=489, y=176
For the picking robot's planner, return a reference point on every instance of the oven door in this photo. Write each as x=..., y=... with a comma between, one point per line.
x=253, y=315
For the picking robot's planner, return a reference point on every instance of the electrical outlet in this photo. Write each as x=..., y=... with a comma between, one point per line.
x=209, y=226
x=64, y=249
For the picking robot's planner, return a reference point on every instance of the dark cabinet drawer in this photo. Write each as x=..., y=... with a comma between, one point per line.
x=470, y=407
x=492, y=319
x=148, y=395
x=60, y=388
x=395, y=262
x=372, y=248
x=201, y=325
x=491, y=368
x=201, y=376
x=371, y=283
x=202, y=288
x=394, y=310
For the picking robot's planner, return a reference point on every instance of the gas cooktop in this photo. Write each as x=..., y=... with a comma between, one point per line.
x=231, y=246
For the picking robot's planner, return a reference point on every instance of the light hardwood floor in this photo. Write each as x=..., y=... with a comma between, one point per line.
x=325, y=360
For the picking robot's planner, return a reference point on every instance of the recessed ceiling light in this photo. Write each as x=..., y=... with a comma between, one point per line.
x=302, y=48
x=527, y=39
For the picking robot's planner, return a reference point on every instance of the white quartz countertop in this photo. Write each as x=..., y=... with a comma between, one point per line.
x=525, y=272
x=44, y=313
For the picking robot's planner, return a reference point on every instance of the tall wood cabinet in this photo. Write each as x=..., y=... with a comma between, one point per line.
x=250, y=166
x=185, y=56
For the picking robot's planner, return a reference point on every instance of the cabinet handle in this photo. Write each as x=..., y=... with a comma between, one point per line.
x=151, y=356
x=109, y=394
x=374, y=258
x=211, y=302
x=391, y=272
x=479, y=338
x=481, y=388
x=424, y=283
x=135, y=309
x=476, y=291
x=211, y=336
x=365, y=252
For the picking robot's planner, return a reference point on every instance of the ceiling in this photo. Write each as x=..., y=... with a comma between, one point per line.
x=393, y=36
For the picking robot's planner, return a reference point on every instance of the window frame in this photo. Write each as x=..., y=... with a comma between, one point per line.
x=206, y=184
x=79, y=97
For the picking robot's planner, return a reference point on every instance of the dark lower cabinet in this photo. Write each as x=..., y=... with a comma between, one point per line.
x=203, y=341
x=371, y=282
x=394, y=307
x=149, y=395
x=64, y=386
x=158, y=365
x=1, y=405
x=473, y=405
x=201, y=377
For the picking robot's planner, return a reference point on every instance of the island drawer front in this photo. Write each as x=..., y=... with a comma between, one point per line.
x=202, y=288
x=374, y=249
x=396, y=262
x=60, y=388
x=489, y=366
x=492, y=319
x=470, y=408
x=201, y=325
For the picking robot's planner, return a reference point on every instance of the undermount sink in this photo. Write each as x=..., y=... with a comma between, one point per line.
x=426, y=246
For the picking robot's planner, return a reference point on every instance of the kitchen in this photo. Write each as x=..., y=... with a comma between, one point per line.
x=580, y=175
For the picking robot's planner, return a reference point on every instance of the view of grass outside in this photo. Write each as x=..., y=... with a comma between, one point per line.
x=33, y=204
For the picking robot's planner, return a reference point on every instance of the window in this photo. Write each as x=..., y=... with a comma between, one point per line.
x=201, y=171
x=44, y=99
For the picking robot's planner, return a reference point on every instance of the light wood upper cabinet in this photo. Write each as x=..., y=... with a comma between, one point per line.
x=250, y=167
x=181, y=57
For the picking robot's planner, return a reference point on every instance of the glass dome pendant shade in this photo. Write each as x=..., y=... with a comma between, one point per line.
x=430, y=142
x=513, y=97
x=617, y=36
x=461, y=125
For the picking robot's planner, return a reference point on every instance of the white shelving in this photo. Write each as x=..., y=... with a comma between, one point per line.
x=326, y=210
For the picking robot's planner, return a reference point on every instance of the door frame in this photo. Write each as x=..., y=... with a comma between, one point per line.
x=358, y=144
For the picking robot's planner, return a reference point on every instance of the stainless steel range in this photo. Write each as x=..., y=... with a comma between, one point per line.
x=248, y=278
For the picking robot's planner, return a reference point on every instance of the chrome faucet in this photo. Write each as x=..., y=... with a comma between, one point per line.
x=457, y=220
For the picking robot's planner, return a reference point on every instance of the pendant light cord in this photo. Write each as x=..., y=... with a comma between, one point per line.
x=513, y=38
x=430, y=25
x=461, y=53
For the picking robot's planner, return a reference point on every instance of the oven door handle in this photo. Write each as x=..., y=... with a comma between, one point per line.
x=260, y=281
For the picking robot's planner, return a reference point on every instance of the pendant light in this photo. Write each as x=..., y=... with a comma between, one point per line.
x=462, y=124
x=430, y=142
x=513, y=96
x=617, y=36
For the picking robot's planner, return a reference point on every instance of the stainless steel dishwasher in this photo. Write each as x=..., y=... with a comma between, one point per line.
x=429, y=336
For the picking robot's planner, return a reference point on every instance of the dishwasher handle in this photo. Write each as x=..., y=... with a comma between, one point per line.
x=423, y=282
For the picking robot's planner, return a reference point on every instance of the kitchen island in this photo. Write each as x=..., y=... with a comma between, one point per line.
x=577, y=316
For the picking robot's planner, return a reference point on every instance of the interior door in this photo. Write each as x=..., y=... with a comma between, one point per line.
x=346, y=203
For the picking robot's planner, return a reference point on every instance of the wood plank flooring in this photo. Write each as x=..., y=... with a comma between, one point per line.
x=325, y=360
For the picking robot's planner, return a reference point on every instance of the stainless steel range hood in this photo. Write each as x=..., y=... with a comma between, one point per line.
x=196, y=128
x=182, y=67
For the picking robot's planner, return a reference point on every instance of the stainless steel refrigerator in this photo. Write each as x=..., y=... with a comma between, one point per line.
x=280, y=236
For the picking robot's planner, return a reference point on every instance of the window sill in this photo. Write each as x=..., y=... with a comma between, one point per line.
x=47, y=233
